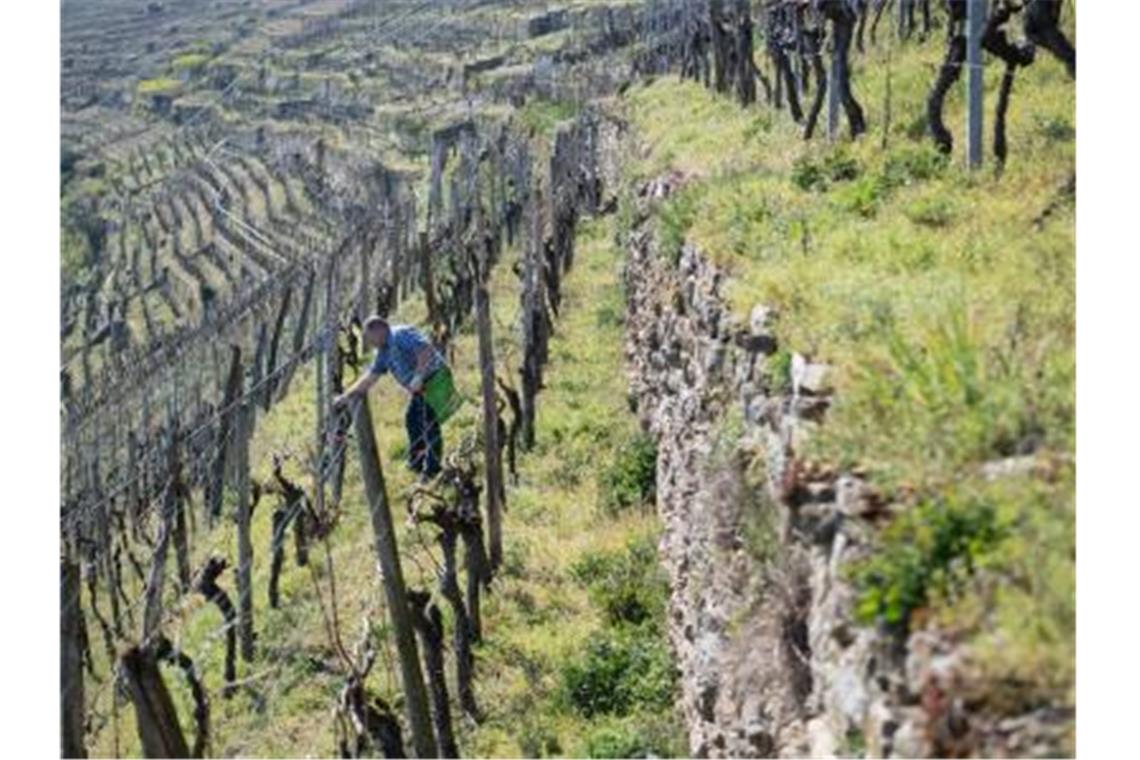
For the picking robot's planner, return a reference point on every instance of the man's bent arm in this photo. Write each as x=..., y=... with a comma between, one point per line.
x=360, y=387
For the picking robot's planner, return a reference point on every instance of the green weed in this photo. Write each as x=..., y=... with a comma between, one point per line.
x=620, y=670
x=627, y=585
x=631, y=478
x=929, y=549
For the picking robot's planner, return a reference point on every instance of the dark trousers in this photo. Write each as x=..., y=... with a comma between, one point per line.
x=425, y=442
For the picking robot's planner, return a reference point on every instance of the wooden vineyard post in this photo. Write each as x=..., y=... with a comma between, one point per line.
x=159, y=730
x=106, y=550
x=132, y=486
x=415, y=696
x=534, y=320
x=365, y=278
x=225, y=426
x=245, y=544
x=152, y=610
x=975, y=26
x=492, y=455
x=429, y=281
x=71, y=710
x=281, y=384
x=178, y=514
x=274, y=342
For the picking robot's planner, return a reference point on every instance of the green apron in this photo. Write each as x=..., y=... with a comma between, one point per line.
x=441, y=396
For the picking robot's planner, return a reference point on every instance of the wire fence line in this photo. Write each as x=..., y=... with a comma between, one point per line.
x=459, y=243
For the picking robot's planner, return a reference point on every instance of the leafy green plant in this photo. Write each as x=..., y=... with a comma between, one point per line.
x=631, y=478
x=620, y=670
x=627, y=585
x=930, y=548
x=609, y=742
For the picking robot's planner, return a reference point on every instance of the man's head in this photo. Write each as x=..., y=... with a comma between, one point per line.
x=375, y=332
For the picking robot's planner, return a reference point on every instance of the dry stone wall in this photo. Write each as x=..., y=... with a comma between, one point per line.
x=755, y=542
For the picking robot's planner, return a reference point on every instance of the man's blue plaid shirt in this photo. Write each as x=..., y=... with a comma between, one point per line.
x=398, y=355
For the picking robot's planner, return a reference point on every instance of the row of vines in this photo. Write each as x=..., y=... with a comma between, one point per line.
x=157, y=463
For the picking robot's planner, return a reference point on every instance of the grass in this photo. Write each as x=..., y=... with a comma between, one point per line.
x=541, y=613
x=189, y=61
x=159, y=86
x=946, y=311
x=541, y=116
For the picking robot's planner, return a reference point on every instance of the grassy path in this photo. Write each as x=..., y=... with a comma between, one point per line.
x=538, y=616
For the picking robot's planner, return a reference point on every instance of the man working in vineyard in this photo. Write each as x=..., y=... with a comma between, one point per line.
x=421, y=369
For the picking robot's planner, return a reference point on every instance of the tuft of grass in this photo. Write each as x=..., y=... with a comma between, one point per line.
x=932, y=211
x=189, y=61
x=159, y=86
x=541, y=116
x=810, y=174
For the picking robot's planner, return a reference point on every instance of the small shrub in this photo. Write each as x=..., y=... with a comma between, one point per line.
x=621, y=670
x=627, y=585
x=631, y=479
x=610, y=742
x=929, y=549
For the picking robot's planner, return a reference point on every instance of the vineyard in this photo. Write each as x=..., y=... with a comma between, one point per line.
x=245, y=568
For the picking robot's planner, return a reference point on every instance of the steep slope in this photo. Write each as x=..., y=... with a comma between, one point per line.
x=857, y=363
x=579, y=595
